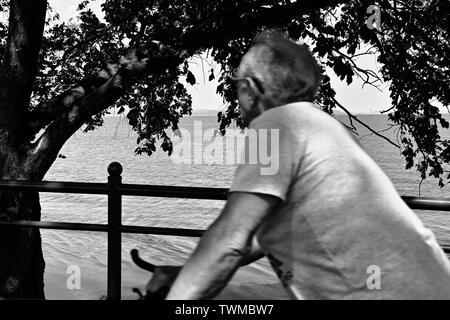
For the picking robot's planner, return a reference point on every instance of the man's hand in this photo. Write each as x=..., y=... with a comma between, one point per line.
x=225, y=246
x=163, y=278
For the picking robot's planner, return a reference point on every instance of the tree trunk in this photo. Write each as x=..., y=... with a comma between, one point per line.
x=21, y=259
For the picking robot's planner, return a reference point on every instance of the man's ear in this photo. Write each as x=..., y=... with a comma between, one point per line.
x=253, y=87
x=254, y=92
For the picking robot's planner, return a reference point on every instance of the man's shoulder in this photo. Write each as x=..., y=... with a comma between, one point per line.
x=297, y=116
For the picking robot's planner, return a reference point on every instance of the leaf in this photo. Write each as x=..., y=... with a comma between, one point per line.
x=220, y=88
x=83, y=5
x=349, y=79
x=211, y=76
x=328, y=30
x=190, y=78
x=133, y=116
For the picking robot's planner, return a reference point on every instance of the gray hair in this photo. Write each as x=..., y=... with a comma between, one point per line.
x=286, y=71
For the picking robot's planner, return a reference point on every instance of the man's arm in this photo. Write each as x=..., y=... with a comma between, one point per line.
x=224, y=247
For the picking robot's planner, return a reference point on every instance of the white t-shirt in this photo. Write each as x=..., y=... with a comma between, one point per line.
x=341, y=230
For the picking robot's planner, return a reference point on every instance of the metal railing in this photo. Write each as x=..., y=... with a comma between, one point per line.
x=114, y=189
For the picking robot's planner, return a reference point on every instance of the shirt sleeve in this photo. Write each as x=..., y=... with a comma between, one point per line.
x=269, y=161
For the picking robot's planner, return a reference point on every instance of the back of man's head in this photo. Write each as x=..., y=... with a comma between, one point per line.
x=287, y=71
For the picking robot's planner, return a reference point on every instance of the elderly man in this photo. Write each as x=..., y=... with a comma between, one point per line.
x=329, y=220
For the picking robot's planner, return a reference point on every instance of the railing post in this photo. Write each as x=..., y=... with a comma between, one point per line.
x=114, y=233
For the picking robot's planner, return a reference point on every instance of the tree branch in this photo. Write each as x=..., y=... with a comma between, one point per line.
x=44, y=151
x=368, y=73
x=387, y=110
x=363, y=124
x=356, y=69
x=390, y=126
x=46, y=112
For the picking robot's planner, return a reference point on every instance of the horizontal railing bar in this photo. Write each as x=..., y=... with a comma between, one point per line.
x=125, y=189
x=173, y=191
x=427, y=203
x=56, y=225
x=55, y=186
x=162, y=231
x=103, y=228
x=124, y=229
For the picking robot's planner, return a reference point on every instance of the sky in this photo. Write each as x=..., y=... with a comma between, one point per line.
x=353, y=97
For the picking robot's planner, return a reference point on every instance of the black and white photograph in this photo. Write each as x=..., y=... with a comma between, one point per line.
x=243, y=152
